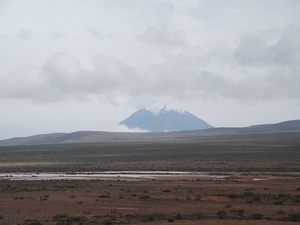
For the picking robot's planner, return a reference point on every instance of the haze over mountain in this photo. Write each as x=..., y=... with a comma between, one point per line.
x=165, y=118
x=287, y=128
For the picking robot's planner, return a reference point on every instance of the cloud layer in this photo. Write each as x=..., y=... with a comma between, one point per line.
x=63, y=76
x=159, y=49
x=138, y=53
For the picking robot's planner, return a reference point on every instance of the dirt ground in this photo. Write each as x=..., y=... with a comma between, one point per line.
x=236, y=199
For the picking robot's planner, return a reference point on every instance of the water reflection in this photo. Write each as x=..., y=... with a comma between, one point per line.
x=111, y=175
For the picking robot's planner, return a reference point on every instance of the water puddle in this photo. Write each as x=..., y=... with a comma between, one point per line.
x=111, y=175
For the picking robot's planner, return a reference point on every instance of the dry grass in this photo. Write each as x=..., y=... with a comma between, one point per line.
x=186, y=201
x=236, y=200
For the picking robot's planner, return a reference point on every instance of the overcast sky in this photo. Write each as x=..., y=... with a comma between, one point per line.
x=69, y=65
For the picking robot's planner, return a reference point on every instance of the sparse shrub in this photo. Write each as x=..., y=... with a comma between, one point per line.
x=250, y=189
x=228, y=205
x=294, y=217
x=104, y=196
x=257, y=198
x=144, y=197
x=241, y=212
x=257, y=216
x=1, y=217
x=87, y=211
x=71, y=186
x=61, y=223
x=19, y=197
x=278, y=202
x=281, y=212
x=61, y=216
x=249, y=194
x=233, y=195
x=221, y=214
x=151, y=218
x=36, y=222
x=170, y=219
x=107, y=222
x=296, y=199
x=166, y=190
x=44, y=198
x=178, y=217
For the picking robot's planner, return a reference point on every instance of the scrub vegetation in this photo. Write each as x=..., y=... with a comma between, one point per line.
x=233, y=153
x=261, y=183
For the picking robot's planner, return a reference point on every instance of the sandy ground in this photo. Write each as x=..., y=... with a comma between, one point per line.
x=184, y=198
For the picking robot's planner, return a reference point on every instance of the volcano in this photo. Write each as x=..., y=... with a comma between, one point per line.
x=164, y=119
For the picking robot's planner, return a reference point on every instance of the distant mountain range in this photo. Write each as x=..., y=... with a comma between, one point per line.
x=279, y=129
x=163, y=119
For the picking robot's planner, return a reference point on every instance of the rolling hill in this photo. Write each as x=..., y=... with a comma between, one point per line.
x=279, y=129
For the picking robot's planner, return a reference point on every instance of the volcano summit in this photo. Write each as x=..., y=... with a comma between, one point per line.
x=164, y=119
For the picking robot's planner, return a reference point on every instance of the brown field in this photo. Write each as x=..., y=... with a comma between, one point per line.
x=250, y=181
x=152, y=201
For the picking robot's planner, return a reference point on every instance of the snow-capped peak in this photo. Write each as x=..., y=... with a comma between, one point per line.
x=157, y=109
x=164, y=118
x=168, y=108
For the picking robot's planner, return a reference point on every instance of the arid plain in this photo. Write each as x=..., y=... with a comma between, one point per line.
x=230, y=179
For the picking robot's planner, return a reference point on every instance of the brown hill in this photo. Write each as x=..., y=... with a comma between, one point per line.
x=283, y=128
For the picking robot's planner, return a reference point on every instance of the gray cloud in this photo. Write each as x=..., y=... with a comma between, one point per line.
x=294, y=3
x=63, y=77
x=170, y=38
x=287, y=49
x=287, y=82
x=25, y=34
x=188, y=59
x=256, y=51
x=57, y=35
x=23, y=83
x=3, y=36
x=242, y=15
x=96, y=34
x=64, y=73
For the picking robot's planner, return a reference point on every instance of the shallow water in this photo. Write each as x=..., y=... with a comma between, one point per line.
x=110, y=175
